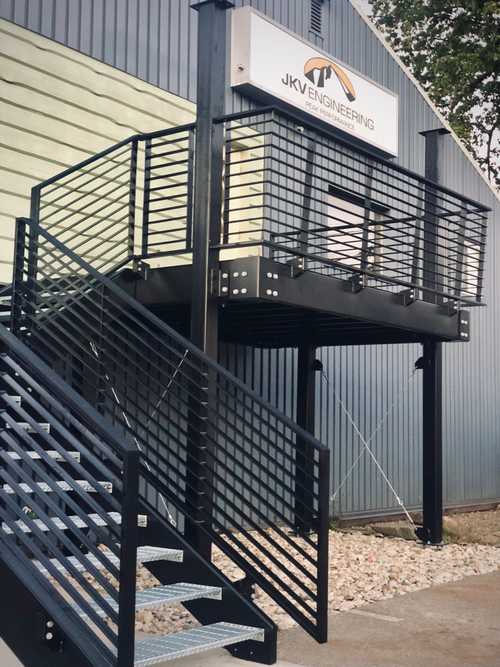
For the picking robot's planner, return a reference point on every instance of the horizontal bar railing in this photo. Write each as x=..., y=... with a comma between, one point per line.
x=59, y=489
x=291, y=189
x=130, y=200
x=154, y=385
x=294, y=190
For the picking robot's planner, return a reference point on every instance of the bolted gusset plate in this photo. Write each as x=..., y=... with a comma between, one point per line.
x=160, y=595
x=144, y=555
x=154, y=650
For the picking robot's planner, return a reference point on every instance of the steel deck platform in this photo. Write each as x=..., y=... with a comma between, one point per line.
x=262, y=303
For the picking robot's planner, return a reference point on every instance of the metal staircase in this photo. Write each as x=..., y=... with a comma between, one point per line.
x=66, y=511
x=124, y=444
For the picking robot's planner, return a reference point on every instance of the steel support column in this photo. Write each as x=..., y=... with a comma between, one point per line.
x=432, y=402
x=433, y=443
x=206, y=230
x=306, y=405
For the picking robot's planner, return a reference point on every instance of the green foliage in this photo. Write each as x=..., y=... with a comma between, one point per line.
x=453, y=48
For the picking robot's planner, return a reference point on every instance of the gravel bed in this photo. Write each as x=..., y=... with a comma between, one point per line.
x=363, y=569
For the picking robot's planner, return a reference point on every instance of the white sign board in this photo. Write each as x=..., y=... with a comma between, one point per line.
x=269, y=59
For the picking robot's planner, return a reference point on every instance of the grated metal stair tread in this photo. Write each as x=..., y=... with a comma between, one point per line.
x=52, y=454
x=75, y=520
x=15, y=399
x=44, y=426
x=155, y=650
x=160, y=595
x=63, y=486
x=144, y=555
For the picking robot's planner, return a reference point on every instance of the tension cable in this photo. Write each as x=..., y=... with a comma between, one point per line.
x=95, y=351
x=366, y=442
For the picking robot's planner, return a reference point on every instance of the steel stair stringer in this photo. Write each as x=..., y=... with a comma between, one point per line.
x=237, y=608
x=26, y=606
x=268, y=478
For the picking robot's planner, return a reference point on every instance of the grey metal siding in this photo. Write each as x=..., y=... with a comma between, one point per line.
x=156, y=40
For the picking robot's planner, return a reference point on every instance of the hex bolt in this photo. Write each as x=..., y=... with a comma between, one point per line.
x=244, y=290
x=225, y=275
x=225, y=289
x=275, y=276
x=50, y=624
x=244, y=274
x=236, y=274
x=269, y=275
x=49, y=636
x=275, y=293
x=269, y=292
x=236, y=291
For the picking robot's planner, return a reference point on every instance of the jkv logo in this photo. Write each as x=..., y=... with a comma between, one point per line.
x=319, y=70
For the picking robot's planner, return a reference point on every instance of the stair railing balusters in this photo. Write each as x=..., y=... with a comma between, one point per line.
x=128, y=559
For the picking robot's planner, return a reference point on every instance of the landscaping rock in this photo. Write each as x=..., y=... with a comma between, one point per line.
x=363, y=569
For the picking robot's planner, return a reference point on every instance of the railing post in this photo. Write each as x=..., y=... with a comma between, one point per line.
x=147, y=194
x=303, y=239
x=132, y=199
x=207, y=206
x=367, y=219
x=482, y=257
x=33, y=248
x=304, y=465
x=323, y=544
x=431, y=276
x=190, y=190
x=128, y=560
x=432, y=400
x=18, y=275
x=432, y=389
x=226, y=207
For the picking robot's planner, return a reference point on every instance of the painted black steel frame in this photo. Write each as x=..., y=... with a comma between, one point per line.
x=241, y=474
x=104, y=456
x=163, y=200
x=289, y=188
x=71, y=311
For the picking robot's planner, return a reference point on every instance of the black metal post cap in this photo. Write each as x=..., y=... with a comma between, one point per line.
x=223, y=4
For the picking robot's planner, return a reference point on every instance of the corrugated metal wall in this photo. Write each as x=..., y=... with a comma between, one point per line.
x=156, y=41
x=58, y=107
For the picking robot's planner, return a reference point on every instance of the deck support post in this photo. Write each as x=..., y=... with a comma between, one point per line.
x=432, y=387
x=306, y=407
x=206, y=229
x=432, y=453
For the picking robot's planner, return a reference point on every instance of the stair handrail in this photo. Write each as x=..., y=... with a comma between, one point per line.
x=65, y=393
x=286, y=439
x=70, y=407
x=186, y=343
x=142, y=136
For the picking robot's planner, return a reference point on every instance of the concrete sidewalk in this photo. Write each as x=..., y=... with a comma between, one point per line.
x=454, y=625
